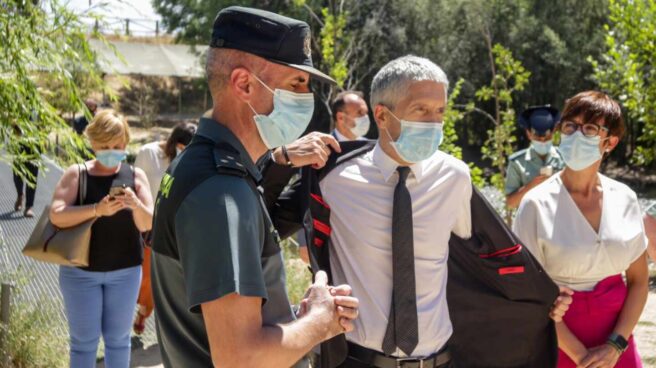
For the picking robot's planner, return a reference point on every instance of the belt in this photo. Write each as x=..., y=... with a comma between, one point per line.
x=380, y=360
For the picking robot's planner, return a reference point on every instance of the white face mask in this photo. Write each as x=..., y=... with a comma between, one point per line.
x=418, y=140
x=290, y=117
x=361, y=126
x=580, y=152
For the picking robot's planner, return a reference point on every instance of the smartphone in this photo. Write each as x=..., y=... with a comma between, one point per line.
x=546, y=170
x=116, y=191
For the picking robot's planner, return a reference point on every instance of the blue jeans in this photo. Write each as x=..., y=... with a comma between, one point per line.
x=99, y=303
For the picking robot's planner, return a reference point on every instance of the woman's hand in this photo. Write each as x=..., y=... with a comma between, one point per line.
x=108, y=207
x=129, y=199
x=602, y=356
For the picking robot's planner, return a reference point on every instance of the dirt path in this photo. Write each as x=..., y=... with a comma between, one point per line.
x=645, y=332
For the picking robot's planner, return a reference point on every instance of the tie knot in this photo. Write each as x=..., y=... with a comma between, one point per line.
x=404, y=171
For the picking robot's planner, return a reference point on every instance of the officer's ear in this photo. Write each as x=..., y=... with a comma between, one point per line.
x=242, y=83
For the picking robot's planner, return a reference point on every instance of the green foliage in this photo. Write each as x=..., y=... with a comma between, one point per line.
x=626, y=71
x=34, y=41
x=36, y=334
x=34, y=337
x=508, y=78
x=298, y=274
x=333, y=44
x=453, y=116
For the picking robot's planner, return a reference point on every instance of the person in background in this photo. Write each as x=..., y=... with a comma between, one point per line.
x=533, y=165
x=80, y=123
x=650, y=228
x=587, y=230
x=99, y=299
x=154, y=158
x=26, y=155
x=350, y=116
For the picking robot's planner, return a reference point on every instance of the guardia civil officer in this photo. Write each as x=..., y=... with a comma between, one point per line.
x=217, y=271
x=531, y=166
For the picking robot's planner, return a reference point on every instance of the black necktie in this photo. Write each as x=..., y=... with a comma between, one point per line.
x=402, y=327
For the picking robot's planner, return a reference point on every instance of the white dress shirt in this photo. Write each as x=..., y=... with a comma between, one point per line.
x=341, y=138
x=360, y=193
x=153, y=161
x=575, y=255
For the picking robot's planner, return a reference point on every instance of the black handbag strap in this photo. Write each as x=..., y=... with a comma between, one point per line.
x=82, y=183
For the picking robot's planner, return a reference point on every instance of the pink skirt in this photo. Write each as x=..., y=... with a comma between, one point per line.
x=592, y=318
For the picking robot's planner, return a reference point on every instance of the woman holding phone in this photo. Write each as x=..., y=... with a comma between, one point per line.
x=99, y=299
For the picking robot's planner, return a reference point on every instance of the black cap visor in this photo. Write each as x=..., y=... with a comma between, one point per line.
x=313, y=71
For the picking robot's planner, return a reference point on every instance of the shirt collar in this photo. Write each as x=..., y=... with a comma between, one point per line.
x=388, y=165
x=341, y=138
x=532, y=155
x=219, y=133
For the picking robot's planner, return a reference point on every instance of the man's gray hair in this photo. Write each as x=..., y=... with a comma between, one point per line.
x=391, y=82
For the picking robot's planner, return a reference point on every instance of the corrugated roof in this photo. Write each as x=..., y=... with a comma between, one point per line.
x=163, y=60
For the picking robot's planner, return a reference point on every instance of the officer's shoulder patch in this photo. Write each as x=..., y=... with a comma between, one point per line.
x=517, y=154
x=228, y=163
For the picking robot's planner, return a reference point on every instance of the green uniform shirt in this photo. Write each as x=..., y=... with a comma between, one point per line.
x=525, y=165
x=211, y=237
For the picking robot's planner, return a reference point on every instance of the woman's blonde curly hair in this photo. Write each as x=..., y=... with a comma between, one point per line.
x=108, y=126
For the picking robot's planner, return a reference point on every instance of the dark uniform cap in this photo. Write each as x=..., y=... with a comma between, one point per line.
x=268, y=35
x=539, y=119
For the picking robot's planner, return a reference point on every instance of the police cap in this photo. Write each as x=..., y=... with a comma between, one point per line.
x=274, y=37
x=539, y=119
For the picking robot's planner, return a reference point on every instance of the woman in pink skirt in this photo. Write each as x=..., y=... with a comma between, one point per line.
x=587, y=230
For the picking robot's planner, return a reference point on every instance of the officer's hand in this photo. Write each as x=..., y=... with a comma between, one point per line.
x=347, y=306
x=311, y=149
x=108, y=206
x=320, y=305
x=561, y=305
x=537, y=180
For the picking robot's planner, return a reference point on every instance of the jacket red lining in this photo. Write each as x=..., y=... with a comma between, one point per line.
x=321, y=227
x=319, y=199
x=503, y=252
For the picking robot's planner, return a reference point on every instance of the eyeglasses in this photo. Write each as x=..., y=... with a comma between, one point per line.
x=588, y=129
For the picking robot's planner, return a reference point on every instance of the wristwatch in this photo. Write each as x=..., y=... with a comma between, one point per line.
x=288, y=162
x=618, y=341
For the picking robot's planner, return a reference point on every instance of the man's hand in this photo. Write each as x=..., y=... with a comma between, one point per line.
x=312, y=149
x=603, y=356
x=327, y=305
x=561, y=305
x=347, y=306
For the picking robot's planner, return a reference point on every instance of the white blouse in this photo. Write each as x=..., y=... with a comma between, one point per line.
x=555, y=231
x=153, y=161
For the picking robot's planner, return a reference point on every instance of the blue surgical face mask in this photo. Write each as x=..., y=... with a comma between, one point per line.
x=361, y=126
x=290, y=117
x=542, y=148
x=111, y=158
x=418, y=140
x=579, y=151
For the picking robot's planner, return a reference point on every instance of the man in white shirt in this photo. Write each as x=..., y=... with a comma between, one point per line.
x=350, y=116
x=392, y=213
x=408, y=96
